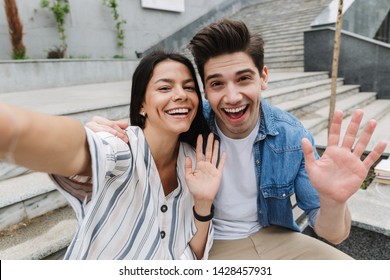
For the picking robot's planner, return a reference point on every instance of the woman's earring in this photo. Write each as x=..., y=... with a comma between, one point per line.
x=143, y=114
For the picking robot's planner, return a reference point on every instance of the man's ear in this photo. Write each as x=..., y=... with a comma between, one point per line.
x=264, y=78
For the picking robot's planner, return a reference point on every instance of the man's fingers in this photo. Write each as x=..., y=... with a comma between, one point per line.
x=364, y=138
x=308, y=152
x=335, y=128
x=374, y=155
x=352, y=130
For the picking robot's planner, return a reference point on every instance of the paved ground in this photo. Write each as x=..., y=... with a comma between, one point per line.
x=363, y=244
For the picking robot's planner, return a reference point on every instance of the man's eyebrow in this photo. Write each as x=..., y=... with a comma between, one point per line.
x=217, y=75
x=213, y=76
x=248, y=70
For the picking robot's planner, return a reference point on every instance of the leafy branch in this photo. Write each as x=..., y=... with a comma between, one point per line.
x=59, y=8
x=119, y=22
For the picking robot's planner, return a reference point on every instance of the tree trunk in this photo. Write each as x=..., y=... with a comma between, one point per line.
x=15, y=29
x=335, y=64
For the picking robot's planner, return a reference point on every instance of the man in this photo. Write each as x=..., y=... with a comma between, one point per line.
x=270, y=157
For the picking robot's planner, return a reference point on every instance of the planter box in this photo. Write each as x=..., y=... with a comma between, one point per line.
x=27, y=75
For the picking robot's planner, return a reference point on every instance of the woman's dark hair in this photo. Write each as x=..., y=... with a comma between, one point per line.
x=141, y=77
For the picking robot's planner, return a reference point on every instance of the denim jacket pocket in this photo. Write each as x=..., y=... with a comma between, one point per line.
x=278, y=191
x=278, y=205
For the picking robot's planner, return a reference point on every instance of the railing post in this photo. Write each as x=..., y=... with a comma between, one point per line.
x=335, y=63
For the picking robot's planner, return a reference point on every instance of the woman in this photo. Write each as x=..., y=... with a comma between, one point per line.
x=146, y=201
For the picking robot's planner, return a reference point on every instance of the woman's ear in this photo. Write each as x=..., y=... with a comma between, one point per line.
x=142, y=111
x=264, y=78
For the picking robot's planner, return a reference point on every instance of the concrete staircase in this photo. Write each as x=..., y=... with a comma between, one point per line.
x=282, y=23
x=35, y=220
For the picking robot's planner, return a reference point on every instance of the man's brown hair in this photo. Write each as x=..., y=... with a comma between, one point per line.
x=224, y=37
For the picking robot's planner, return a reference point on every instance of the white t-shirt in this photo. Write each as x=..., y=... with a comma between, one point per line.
x=236, y=202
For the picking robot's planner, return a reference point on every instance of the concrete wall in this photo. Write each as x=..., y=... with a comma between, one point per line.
x=362, y=61
x=24, y=75
x=90, y=27
x=359, y=16
x=365, y=17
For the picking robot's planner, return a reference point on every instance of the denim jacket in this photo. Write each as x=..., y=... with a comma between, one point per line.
x=280, y=167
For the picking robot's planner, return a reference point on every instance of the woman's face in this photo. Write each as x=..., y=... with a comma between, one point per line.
x=170, y=101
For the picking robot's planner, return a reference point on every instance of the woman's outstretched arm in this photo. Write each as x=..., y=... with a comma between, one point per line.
x=45, y=143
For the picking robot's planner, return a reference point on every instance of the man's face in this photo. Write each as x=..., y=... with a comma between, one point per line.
x=233, y=87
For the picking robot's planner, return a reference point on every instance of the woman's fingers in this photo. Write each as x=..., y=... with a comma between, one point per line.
x=209, y=147
x=214, y=159
x=199, y=148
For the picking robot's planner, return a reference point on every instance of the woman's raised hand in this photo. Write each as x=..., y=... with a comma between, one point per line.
x=204, y=180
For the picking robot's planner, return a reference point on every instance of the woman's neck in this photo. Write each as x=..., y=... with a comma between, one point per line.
x=165, y=150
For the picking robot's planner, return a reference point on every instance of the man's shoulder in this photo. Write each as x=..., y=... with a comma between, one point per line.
x=288, y=128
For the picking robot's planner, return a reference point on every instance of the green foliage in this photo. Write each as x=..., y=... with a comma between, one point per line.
x=19, y=55
x=59, y=8
x=119, y=23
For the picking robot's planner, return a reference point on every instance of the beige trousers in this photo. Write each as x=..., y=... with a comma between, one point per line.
x=275, y=243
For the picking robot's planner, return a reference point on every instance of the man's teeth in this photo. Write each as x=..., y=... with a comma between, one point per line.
x=235, y=110
x=178, y=111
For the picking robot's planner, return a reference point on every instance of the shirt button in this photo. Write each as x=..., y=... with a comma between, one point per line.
x=257, y=161
x=164, y=208
x=162, y=233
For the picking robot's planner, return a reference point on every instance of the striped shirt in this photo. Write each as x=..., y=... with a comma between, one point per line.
x=127, y=215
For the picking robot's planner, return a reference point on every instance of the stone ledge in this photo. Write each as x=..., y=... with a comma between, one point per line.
x=370, y=208
x=40, y=237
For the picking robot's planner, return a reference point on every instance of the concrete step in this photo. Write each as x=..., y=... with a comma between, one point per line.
x=81, y=102
x=277, y=47
x=298, y=90
x=39, y=238
x=375, y=109
x=297, y=38
x=382, y=131
x=284, y=40
x=283, y=58
x=309, y=103
x=370, y=208
x=26, y=197
x=284, y=53
x=317, y=121
x=284, y=47
x=284, y=79
x=286, y=65
x=288, y=69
